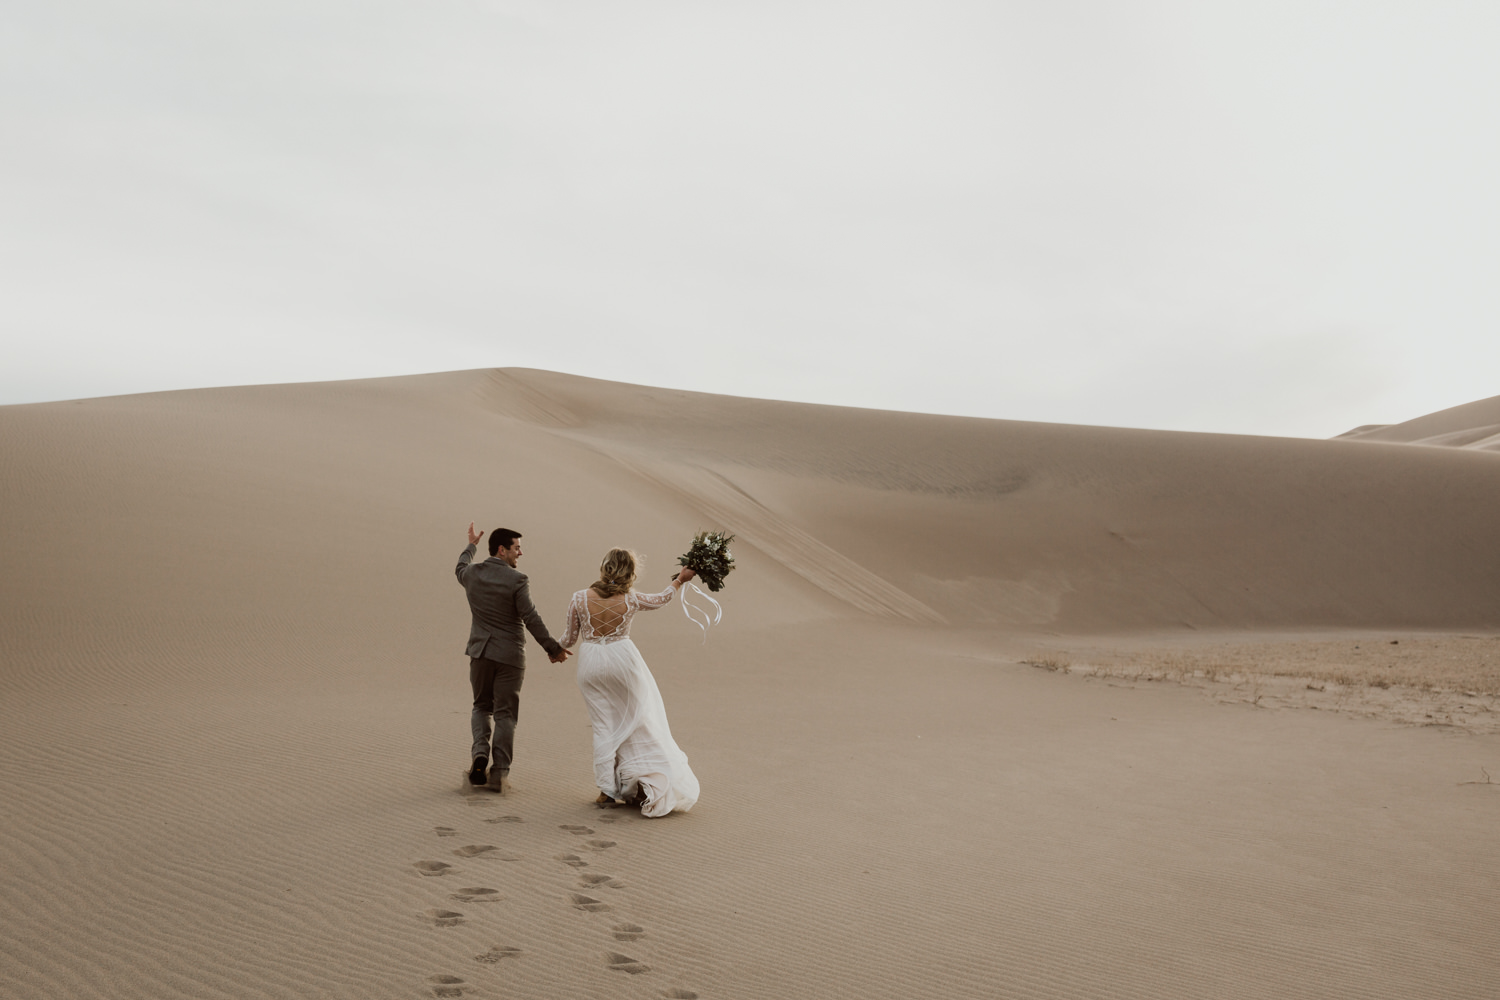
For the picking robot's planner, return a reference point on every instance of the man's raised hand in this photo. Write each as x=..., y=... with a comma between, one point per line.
x=473, y=538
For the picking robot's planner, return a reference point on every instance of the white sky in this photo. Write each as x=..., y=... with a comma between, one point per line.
x=1269, y=216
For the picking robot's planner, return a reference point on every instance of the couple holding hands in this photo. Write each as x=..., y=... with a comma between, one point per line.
x=636, y=761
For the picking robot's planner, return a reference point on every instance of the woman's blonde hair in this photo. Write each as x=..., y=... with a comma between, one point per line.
x=616, y=573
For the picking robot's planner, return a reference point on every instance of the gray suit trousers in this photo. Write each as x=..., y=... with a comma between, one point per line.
x=497, y=693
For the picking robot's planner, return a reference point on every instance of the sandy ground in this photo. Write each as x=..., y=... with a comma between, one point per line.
x=233, y=704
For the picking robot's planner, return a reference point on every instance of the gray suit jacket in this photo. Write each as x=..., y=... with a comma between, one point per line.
x=500, y=602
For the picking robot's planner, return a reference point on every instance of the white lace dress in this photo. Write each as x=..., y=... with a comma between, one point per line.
x=633, y=747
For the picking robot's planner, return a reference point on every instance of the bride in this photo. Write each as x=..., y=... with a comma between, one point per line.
x=636, y=760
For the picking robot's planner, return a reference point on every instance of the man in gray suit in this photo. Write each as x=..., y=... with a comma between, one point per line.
x=500, y=602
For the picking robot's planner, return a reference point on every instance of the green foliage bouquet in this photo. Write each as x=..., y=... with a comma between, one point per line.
x=710, y=558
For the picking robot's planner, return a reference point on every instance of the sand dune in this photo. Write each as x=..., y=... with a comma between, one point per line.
x=233, y=700
x=1071, y=527
x=1473, y=425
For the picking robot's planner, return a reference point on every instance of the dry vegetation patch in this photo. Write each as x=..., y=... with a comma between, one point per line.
x=1422, y=679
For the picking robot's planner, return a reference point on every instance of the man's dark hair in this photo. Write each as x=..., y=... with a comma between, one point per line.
x=502, y=538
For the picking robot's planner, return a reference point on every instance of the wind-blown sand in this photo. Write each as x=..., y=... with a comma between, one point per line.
x=233, y=702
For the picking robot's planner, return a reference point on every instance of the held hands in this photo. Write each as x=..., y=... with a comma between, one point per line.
x=473, y=538
x=561, y=656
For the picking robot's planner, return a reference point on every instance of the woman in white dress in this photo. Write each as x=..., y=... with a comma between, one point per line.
x=636, y=761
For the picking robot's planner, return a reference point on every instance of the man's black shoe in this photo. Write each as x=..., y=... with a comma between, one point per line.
x=476, y=773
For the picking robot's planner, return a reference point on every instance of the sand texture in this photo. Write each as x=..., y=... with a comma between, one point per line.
x=952, y=734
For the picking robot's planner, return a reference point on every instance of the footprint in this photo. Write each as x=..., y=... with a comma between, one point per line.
x=505, y=819
x=628, y=932
x=486, y=851
x=477, y=895
x=624, y=963
x=446, y=831
x=433, y=867
x=444, y=918
x=598, y=845
x=447, y=986
x=679, y=994
x=589, y=903
x=571, y=859
x=572, y=828
x=498, y=953
x=474, y=850
x=600, y=882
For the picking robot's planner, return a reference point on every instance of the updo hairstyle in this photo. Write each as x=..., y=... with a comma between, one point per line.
x=616, y=573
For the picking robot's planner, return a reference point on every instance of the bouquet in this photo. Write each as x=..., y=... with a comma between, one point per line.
x=710, y=558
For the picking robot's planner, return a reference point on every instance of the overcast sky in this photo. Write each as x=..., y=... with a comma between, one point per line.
x=1269, y=216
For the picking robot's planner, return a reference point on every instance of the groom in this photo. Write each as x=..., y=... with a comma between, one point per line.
x=500, y=602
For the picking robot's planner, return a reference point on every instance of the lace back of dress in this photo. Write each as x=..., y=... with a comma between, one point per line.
x=608, y=620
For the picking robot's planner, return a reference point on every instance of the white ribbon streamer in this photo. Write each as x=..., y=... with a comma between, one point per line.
x=692, y=611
